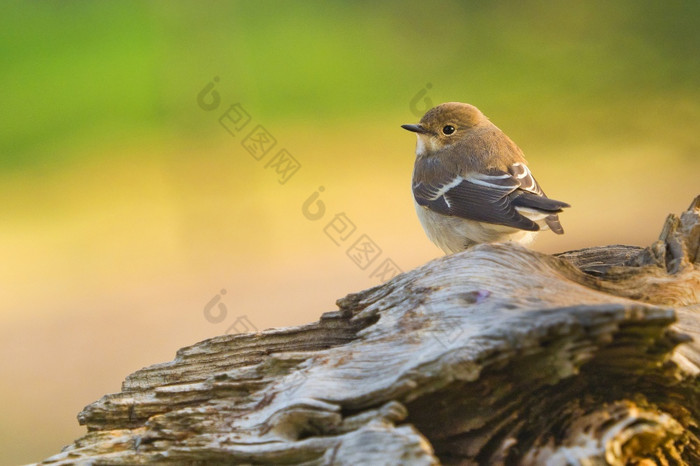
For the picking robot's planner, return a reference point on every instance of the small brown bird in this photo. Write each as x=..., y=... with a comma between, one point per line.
x=471, y=183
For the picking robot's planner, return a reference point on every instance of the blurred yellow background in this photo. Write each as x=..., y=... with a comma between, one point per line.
x=126, y=207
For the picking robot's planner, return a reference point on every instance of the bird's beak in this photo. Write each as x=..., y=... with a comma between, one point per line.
x=415, y=128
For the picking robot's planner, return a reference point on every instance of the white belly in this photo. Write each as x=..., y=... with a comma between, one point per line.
x=454, y=234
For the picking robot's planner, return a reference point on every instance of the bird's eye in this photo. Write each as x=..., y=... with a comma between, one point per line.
x=448, y=129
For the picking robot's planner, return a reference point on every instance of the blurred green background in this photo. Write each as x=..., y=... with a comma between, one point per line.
x=126, y=208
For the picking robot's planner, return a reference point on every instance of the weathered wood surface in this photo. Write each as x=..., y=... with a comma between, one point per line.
x=497, y=355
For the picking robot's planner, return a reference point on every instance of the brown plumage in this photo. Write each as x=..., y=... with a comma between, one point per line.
x=471, y=183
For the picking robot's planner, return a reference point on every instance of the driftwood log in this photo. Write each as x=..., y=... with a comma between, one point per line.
x=497, y=355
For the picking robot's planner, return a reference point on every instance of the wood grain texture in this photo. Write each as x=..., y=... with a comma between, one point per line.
x=496, y=355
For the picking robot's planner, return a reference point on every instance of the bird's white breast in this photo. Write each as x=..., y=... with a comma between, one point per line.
x=454, y=234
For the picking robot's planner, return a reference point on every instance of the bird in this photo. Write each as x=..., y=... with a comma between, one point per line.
x=471, y=183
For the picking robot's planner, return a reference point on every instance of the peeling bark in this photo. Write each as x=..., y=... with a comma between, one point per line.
x=497, y=355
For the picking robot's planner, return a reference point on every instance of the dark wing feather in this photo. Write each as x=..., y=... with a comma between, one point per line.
x=538, y=202
x=474, y=199
x=491, y=198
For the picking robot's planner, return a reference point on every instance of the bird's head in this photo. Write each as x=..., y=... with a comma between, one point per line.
x=444, y=125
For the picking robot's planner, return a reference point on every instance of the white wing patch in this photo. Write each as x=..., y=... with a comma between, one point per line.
x=522, y=174
x=493, y=181
x=448, y=186
x=440, y=190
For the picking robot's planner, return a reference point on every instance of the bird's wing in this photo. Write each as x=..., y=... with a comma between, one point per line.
x=480, y=197
x=487, y=197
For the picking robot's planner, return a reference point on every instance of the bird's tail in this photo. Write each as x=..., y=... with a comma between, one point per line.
x=534, y=201
x=552, y=222
x=543, y=205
